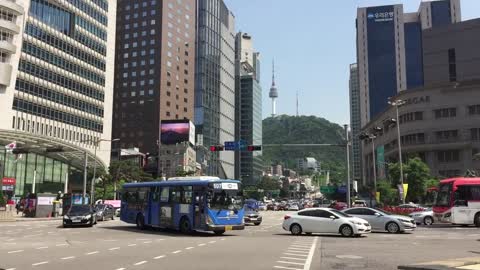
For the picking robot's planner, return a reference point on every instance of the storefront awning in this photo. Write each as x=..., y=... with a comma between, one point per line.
x=50, y=147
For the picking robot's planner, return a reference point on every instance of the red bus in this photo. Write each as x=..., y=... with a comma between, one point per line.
x=458, y=201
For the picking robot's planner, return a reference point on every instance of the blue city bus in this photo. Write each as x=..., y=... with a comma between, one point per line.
x=184, y=203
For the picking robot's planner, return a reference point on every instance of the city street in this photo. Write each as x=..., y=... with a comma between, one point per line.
x=118, y=246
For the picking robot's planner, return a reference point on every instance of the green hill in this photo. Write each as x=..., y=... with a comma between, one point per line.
x=286, y=129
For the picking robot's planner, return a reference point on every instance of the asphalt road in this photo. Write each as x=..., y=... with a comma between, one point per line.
x=114, y=245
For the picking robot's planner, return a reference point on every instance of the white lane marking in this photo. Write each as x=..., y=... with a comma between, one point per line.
x=296, y=248
x=211, y=242
x=147, y=242
x=120, y=269
x=222, y=239
x=297, y=251
x=50, y=232
x=159, y=257
x=201, y=245
x=11, y=239
x=291, y=254
x=301, y=246
x=91, y=253
x=110, y=240
x=39, y=263
x=176, y=251
x=10, y=268
x=294, y=263
x=15, y=251
x=349, y=257
x=140, y=263
x=132, y=245
x=41, y=247
x=68, y=258
x=291, y=258
x=161, y=239
x=61, y=245
x=310, y=254
x=142, y=239
x=290, y=268
x=189, y=248
x=114, y=248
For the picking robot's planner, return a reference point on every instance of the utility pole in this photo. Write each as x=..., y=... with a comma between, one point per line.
x=348, y=164
x=84, y=195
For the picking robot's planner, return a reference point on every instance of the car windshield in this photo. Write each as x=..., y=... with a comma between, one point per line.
x=79, y=210
x=100, y=206
x=383, y=212
x=339, y=213
x=225, y=199
x=444, y=195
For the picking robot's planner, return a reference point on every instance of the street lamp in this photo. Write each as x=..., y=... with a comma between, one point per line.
x=372, y=137
x=95, y=142
x=397, y=103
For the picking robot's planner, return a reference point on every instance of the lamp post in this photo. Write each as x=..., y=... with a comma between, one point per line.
x=397, y=103
x=372, y=137
x=92, y=188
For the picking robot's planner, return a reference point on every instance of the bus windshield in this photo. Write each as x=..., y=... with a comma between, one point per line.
x=444, y=195
x=225, y=199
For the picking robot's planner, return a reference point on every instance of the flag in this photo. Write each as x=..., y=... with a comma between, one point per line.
x=11, y=146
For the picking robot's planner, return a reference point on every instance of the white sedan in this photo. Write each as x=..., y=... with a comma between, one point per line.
x=325, y=220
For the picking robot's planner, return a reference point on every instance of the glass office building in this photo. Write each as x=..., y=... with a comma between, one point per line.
x=56, y=87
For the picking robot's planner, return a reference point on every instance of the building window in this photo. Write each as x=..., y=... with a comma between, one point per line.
x=445, y=113
x=409, y=117
x=168, y=103
x=474, y=110
x=452, y=65
x=475, y=134
x=448, y=156
x=168, y=93
x=185, y=109
x=168, y=113
x=446, y=135
x=185, y=90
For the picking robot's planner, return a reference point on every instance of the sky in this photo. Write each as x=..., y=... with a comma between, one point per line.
x=313, y=44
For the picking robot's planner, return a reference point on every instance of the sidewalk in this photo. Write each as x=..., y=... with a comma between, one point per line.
x=12, y=216
x=470, y=263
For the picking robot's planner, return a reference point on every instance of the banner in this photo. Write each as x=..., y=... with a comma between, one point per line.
x=405, y=190
x=377, y=197
x=380, y=154
x=402, y=191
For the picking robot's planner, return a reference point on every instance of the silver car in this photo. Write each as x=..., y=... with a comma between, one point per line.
x=382, y=221
x=423, y=217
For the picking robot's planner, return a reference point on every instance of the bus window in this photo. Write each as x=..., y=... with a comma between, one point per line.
x=444, y=193
x=155, y=194
x=164, y=195
x=187, y=195
x=175, y=194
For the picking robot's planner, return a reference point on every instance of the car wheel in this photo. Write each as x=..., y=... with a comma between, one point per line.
x=296, y=229
x=428, y=220
x=256, y=223
x=393, y=227
x=346, y=231
x=476, y=220
x=219, y=232
x=140, y=222
x=185, y=225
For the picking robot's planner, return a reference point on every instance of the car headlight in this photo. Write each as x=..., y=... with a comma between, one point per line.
x=100, y=213
x=66, y=217
x=404, y=220
x=357, y=223
x=209, y=220
x=88, y=216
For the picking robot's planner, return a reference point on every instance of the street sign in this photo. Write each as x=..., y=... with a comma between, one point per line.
x=328, y=189
x=231, y=146
x=342, y=189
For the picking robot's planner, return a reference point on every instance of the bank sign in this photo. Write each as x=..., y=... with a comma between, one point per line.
x=381, y=16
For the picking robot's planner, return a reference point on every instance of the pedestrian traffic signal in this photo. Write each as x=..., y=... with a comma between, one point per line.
x=252, y=148
x=216, y=148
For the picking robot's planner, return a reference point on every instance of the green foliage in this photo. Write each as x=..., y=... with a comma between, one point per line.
x=251, y=192
x=3, y=201
x=416, y=175
x=182, y=173
x=268, y=183
x=388, y=195
x=286, y=129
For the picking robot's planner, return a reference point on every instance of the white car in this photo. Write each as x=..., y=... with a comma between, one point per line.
x=382, y=221
x=293, y=207
x=325, y=220
x=423, y=217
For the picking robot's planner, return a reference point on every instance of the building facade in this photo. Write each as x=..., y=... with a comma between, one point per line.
x=154, y=69
x=355, y=122
x=176, y=158
x=56, y=90
x=248, y=110
x=215, y=83
x=440, y=121
x=389, y=49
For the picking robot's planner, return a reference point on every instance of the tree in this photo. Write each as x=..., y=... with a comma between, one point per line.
x=126, y=171
x=388, y=194
x=182, y=173
x=268, y=183
x=416, y=175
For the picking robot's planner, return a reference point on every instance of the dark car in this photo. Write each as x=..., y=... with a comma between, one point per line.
x=252, y=216
x=80, y=215
x=105, y=212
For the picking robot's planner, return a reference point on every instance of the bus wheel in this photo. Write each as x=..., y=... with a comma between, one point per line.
x=219, y=232
x=140, y=222
x=477, y=220
x=185, y=225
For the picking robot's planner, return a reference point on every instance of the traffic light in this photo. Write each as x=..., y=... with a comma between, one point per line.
x=216, y=148
x=252, y=148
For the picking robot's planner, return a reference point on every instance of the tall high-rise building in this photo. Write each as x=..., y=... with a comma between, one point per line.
x=215, y=83
x=389, y=49
x=248, y=109
x=154, y=68
x=56, y=87
x=355, y=122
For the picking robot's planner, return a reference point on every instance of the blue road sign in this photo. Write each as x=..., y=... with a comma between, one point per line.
x=231, y=146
